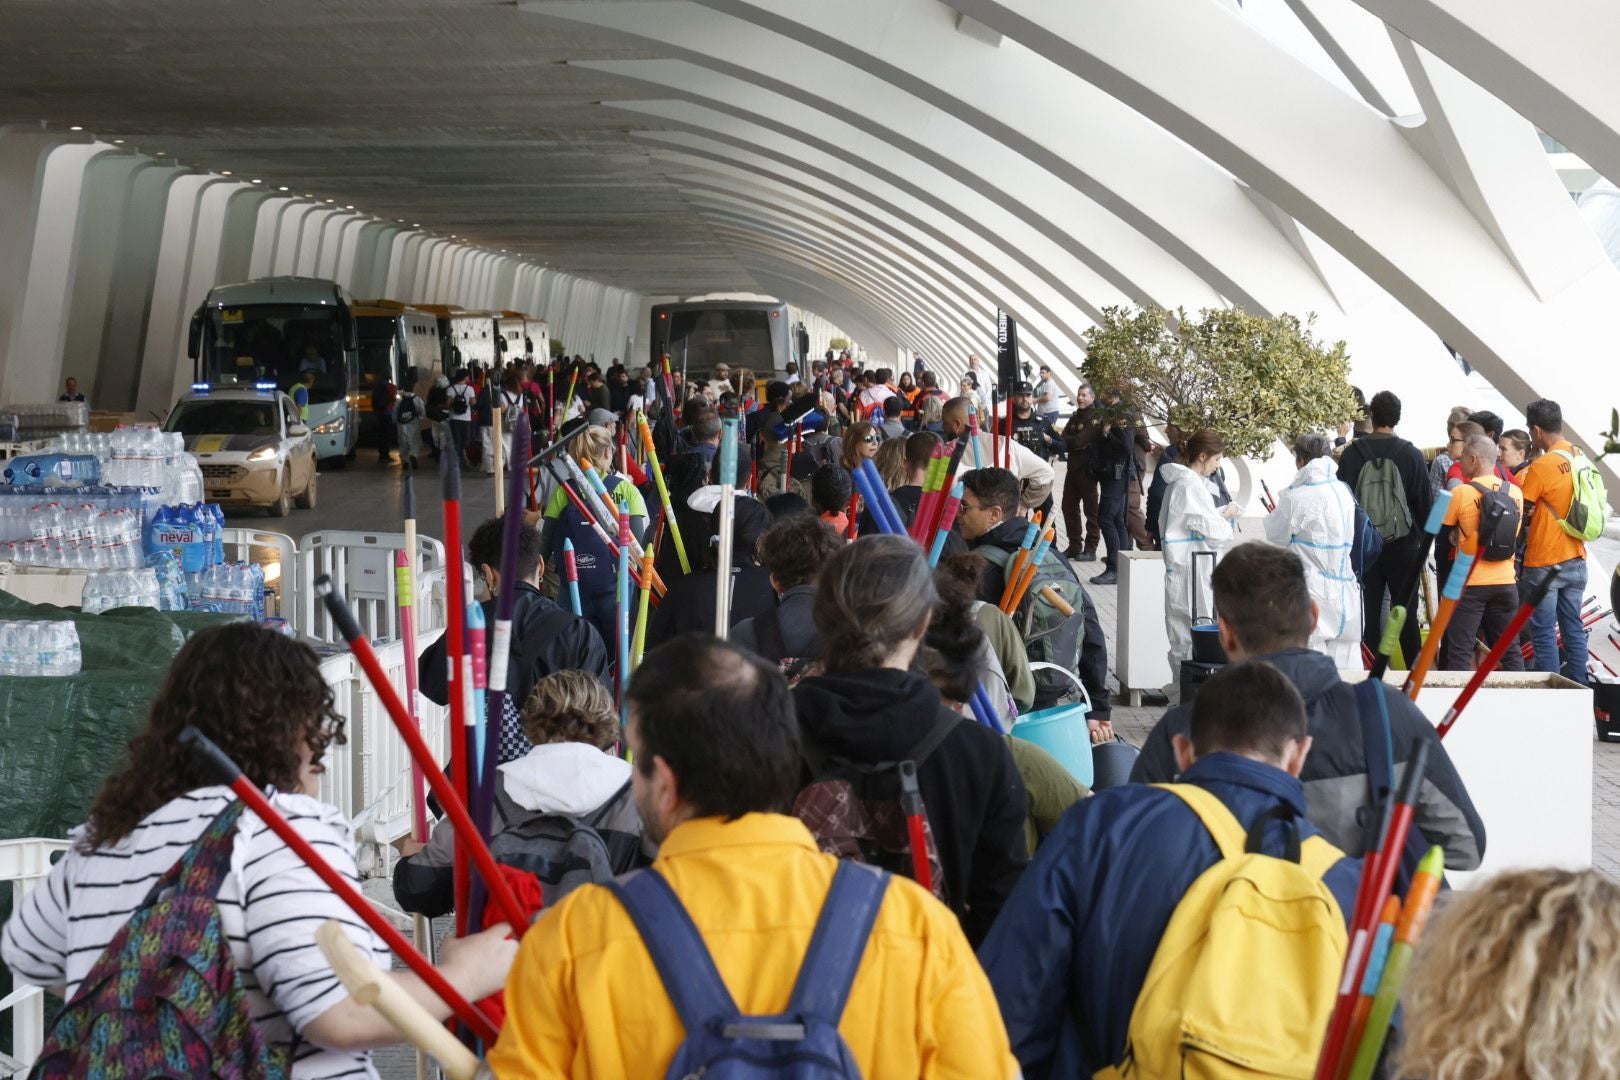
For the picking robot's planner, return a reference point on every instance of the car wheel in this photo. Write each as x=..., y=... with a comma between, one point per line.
x=306, y=501
x=283, y=504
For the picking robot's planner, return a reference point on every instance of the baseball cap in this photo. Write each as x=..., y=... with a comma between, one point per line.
x=1023, y=388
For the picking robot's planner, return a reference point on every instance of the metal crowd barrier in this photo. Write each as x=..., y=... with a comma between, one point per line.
x=361, y=565
x=25, y=863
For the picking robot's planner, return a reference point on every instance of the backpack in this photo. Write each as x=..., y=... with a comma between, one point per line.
x=1498, y=523
x=406, y=412
x=1367, y=543
x=855, y=810
x=802, y=1042
x=438, y=405
x=165, y=998
x=1589, y=506
x=1247, y=970
x=458, y=402
x=1382, y=493
x=564, y=852
x=1050, y=637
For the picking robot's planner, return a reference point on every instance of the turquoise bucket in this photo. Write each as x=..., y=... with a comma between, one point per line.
x=1062, y=732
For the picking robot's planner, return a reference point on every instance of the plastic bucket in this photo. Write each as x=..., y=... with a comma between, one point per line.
x=1062, y=732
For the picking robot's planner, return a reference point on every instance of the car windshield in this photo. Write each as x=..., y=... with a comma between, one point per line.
x=225, y=418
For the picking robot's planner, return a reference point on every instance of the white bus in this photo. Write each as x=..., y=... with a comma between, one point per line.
x=275, y=329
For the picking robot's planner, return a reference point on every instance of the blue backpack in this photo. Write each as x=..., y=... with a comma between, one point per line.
x=721, y=1043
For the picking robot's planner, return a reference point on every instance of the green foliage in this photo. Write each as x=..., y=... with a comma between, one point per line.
x=558, y=349
x=1611, y=438
x=1253, y=379
x=838, y=344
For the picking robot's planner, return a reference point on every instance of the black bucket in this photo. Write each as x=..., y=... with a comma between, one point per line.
x=1206, y=644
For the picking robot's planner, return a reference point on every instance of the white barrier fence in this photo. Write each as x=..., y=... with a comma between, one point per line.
x=24, y=863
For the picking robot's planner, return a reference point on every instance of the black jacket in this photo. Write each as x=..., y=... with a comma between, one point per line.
x=975, y=799
x=1335, y=774
x=689, y=604
x=545, y=638
x=1408, y=462
x=795, y=626
x=906, y=500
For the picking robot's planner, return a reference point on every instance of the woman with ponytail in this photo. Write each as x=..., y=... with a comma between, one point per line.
x=874, y=601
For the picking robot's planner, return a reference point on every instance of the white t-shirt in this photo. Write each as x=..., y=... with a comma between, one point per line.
x=271, y=904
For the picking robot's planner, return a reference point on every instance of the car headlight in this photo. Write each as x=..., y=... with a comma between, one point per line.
x=332, y=427
x=263, y=453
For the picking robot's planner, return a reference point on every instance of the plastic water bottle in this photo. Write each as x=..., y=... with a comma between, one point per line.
x=218, y=513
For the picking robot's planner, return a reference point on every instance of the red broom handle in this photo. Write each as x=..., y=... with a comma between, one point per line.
x=1498, y=650
x=461, y=821
x=212, y=756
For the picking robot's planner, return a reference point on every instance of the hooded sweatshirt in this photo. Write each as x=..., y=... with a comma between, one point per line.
x=975, y=800
x=569, y=778
x=1335, y=773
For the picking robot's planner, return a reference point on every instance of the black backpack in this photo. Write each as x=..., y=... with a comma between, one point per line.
x=565, y=852
x=406, y=412
x=858, y=810
x=458, y=403
x=1498, y=523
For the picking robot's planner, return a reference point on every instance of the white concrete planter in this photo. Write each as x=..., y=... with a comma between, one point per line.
x=1141, y=646
x=1524, y=749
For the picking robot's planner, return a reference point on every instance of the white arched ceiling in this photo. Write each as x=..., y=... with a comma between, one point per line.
x=908, y=166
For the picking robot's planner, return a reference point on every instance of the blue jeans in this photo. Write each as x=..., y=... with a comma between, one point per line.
x=1559, y=611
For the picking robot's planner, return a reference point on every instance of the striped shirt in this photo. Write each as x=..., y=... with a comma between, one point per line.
x=270, y=905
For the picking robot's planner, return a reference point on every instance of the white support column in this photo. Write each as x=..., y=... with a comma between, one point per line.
x=166, y=330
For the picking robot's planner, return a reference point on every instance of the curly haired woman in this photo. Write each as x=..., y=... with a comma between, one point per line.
x=260, y=697
x=1518, y=978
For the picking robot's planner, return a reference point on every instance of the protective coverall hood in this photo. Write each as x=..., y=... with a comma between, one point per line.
x=1316, y=518
x=1193, y=534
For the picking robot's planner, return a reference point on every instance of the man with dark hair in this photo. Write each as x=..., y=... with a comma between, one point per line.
x=1034, y=473
x=1070, y=950
x=1264, y=610
x=1556, y=627
x=1396, y=570
x=717, y=761
x=988, y=519
x=793, y=550
x=545, y=637
x=892, y=426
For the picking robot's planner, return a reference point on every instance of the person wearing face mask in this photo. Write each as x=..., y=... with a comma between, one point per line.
x=545, y=637
x=1191, y=525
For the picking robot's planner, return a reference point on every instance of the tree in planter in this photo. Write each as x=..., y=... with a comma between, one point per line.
x=1252, y=378
x=838, y=344
x=558, y=349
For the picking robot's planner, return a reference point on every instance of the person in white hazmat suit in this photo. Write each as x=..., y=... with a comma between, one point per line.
x=1316, y=517
x=1193, y=533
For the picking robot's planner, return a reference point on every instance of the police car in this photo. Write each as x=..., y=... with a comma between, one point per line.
x=253, y=449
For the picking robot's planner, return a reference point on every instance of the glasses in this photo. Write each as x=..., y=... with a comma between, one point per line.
x=872, y=438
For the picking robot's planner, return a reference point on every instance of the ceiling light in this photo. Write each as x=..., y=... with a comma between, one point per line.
x=328, y=201
x=75, y=127
x=160, y=153
x=118, y=142
x=399, y=221
x=256, y=180
x=225, y=172
x=348, y=208
x=416, y=224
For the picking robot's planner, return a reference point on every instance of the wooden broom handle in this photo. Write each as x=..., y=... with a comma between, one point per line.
x=369, y=985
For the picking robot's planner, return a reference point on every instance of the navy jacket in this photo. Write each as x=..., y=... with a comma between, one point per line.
x=1071, y=947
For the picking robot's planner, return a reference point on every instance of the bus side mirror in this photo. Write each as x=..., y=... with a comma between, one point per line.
x=194, y=338
x=350, y=329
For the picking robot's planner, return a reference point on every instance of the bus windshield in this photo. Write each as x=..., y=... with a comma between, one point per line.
x=702, y=339
x=378, y=341
x=277, y=342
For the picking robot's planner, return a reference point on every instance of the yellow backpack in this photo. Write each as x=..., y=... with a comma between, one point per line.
x=1244, y=978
